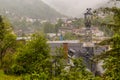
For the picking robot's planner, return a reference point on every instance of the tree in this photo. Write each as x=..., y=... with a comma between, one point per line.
x=7, y=38
x=78, y=23
x=69, y=36
x=59, y=62
x=112, y=57
x=48, y=27
x=76, y=72
x=58, y=25
x=33, y=58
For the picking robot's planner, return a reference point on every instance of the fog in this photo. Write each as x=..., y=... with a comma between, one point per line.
x=74, y=7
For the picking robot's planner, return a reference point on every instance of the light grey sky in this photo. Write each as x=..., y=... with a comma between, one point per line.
x=74, y=7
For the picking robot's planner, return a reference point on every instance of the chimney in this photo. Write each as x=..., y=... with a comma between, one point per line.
x=65, y=47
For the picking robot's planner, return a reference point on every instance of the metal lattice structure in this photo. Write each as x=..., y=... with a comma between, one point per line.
x=88, y=45
x=88, y=31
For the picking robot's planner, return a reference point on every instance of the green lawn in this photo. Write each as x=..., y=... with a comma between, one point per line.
x=8, y=77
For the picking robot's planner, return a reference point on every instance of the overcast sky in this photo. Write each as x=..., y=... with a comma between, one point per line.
x=74, y=7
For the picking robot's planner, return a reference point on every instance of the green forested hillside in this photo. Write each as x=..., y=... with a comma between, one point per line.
x=26, y=15
x=29, y=8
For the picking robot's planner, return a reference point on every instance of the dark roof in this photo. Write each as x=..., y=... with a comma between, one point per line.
x=75, y=46
x=77, y=50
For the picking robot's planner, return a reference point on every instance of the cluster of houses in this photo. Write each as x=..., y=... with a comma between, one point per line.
x=69, y=27
x=75, y=48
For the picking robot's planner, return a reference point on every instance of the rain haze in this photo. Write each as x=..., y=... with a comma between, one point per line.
x=74, y=7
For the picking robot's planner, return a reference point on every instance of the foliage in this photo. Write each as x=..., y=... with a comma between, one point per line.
x=48, y=27
x=33, y=57
x=100, y=19
x=35, y=76
x=78, y=22
x=69, y=36
x=76, y=72
x=26, y=27
x=64, y=71
x=10, y=77
x=8, y=61
x=33, y=61
x=7, y=38
x=58, y=25
x=59, y=62
x=111, y=57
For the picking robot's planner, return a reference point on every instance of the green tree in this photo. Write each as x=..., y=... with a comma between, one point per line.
x=70, y=36
x=78, y=23
x=59, y=61
x=58, y=25
x=112, y=57
x=76, y=72
x=100, y=21
x=48, y=27
x=33, y=58
x=7, y=38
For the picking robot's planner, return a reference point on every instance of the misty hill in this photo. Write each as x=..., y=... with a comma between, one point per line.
x=109, y=4
x=35, y=9
x=74, y=8
x=26, y=16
